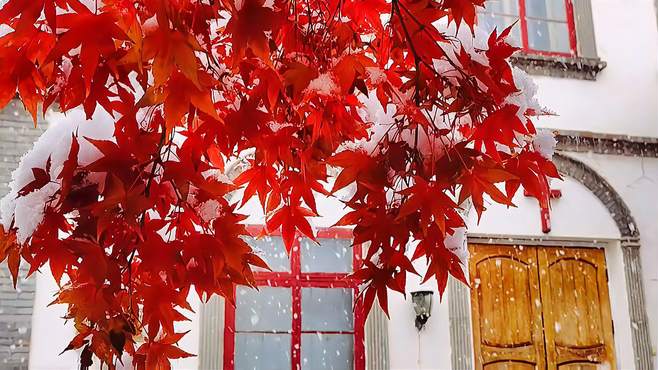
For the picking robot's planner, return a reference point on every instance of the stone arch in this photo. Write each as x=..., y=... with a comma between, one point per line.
x=602, y=189
x=459, y=301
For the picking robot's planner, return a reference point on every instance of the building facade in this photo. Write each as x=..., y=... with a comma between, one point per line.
x=17, y=133
x=573, y=288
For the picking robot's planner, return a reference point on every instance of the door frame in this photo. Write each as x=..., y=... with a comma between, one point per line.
x=459, y=298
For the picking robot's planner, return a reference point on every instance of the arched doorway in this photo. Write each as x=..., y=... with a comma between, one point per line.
x=459, y=302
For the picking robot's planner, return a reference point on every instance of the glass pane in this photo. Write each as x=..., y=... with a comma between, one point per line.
x=272, y=251
x=489, y=22
x=327, y=309
x=548, y=36
x=510, y=7
x=267, y=309
x=327, y=351
x=332, y=255
x=261, y=351
x=546, y=9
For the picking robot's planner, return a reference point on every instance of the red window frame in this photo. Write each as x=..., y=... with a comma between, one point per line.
x=571, y=25
x=295, y=279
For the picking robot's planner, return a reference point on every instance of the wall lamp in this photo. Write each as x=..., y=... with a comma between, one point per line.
x=422, y=301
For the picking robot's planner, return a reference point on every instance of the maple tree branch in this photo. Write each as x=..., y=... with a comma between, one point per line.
x=253, y=58
x=424, y=29
x=396, y=7
x=157, y=161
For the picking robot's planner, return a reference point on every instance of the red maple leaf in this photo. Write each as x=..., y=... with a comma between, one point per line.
x=95, y=34
x=248, y=27
x=155, y=355
x=290, y=219
x=41, y=179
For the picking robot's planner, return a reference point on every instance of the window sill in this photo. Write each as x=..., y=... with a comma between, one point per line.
x=558, y=66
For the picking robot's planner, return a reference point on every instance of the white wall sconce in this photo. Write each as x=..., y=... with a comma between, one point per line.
x=422, y=301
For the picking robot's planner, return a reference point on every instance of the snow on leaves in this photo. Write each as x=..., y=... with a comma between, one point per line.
x=126, y=199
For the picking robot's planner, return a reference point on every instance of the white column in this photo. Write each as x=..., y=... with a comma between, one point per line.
x=50, y=333
x=636, y=305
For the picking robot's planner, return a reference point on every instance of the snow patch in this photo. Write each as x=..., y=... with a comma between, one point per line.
x=525, y=98
x=376, y=75
x=276, y=126
x=456, y=243
x=324, y=84
x=544, y=143
x=27, y=211
x=217, y=175
x=209, y=210
x=462, y=37
x=381, y=122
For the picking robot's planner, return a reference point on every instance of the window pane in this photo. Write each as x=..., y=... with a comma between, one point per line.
x=267, y=309
x=489, y=22
x=327, y=351
x=548, y=36
x=327, y=309
x=256, y=351
x=332, y=255
x=510, y=7
x=272, y=251
x=546, y=9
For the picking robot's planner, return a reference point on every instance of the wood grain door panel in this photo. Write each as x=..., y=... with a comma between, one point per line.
x=577, y=317
x=540, y=308
x=505, y=289
x=509, y=365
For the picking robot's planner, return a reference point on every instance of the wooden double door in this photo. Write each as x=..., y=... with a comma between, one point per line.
x=540, y=308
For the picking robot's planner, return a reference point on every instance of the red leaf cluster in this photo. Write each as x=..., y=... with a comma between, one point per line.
x=130, y=235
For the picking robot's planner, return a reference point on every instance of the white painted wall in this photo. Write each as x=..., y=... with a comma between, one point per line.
x=577, y=214
x=190, y=341
x=409, y=349
x=624, y=99
x=50, y=334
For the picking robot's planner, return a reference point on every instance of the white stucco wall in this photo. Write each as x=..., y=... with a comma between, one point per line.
x=428, y=349
x=190, y=341
x=577, y=214
x=624, y=98
x=50, y=334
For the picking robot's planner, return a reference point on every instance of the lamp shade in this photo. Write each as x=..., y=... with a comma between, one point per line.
x=422, y=301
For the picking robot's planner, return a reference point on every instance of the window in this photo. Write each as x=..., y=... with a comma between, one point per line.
x=302, y=316
x=544, y=26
